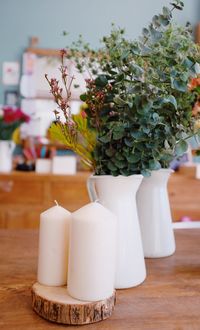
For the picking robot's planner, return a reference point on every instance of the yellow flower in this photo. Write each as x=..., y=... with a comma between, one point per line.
x=16, y=136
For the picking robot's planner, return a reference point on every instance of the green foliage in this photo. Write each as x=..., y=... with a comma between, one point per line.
x=7, y=129
x=181, y=147
x=144, y=114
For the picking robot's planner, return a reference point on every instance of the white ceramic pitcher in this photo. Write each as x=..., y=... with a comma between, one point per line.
x=6, y=151
x=155, y=215
x=118, y=194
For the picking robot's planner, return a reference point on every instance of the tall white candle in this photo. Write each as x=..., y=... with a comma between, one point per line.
x=92, y=253
x=53, y=246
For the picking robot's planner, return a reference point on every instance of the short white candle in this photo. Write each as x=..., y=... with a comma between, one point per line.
x=53, y=246
x=92, y=253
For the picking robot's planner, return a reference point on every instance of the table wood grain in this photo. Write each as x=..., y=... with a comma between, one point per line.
x=169, y=299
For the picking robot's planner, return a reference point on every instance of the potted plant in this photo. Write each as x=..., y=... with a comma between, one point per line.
x=153, y=112
x=84, y=134
x=10, y=119
x=139, y=108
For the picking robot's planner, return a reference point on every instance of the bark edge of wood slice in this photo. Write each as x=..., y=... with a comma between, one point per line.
x=56, y=305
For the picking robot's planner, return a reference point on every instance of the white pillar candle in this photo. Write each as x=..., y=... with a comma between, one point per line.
x=92, y=253
x=53, y=246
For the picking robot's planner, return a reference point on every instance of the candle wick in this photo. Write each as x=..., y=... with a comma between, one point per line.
x=56, y=203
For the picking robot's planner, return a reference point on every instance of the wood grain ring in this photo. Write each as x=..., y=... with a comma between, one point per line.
x=56, y=305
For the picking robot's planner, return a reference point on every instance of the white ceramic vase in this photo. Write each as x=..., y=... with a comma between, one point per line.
x=6, y=150
x=118, y=194
x=155, y=215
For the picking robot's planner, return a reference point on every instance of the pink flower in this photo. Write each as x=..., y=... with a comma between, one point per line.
x=90, y=83
x=83, y=114
x=71, y=123
x=100, y=95
x=63, y=52
x=54, y=85
x=63, y=104
x=113, y=113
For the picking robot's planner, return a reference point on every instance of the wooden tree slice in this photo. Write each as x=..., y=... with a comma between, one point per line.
x=56, y=305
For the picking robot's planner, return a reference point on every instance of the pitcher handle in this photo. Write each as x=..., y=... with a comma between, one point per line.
x=91, y=189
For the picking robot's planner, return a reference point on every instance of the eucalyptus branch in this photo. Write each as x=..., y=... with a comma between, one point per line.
x=139, y=103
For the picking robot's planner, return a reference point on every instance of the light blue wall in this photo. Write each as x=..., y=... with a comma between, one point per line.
x=21, y=19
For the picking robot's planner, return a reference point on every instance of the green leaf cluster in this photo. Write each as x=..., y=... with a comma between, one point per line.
x=7, y=129
x=146, y=115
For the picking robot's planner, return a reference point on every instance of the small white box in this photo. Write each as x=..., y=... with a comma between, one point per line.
x=64, y=165
x=197, y=171
x=43, y=165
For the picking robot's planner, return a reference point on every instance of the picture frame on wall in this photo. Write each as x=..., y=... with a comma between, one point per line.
x=11, y=98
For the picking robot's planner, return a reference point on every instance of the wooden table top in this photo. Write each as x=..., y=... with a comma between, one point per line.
x=169, y=299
